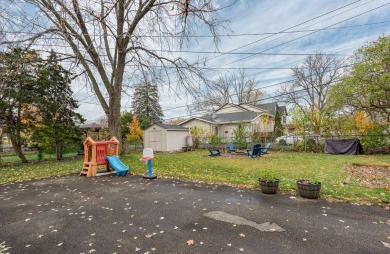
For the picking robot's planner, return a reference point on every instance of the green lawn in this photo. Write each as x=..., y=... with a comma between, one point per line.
x=197, y=166
x=32, y=157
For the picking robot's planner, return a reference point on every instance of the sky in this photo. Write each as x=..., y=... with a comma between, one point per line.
x=266, y=38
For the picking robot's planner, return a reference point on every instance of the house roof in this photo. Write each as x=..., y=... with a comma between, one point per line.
x=249, y=107
x=95, y=126
x=230, y=105
x=230, y=117
x=196, y=118
x=172, y=127
x=247, y=115
x=271, y=108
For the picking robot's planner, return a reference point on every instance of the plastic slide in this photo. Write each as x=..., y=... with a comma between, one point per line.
x=120, y=168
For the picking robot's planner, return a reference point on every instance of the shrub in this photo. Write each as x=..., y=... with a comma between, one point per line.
x=198, y=134
x=214, y=140
x=241, y=134
x=374, y=138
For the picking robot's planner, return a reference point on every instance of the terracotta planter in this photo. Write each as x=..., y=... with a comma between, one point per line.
x=269, y=187
x=308, y=190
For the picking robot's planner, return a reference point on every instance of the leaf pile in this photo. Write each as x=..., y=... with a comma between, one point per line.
x=374, y=176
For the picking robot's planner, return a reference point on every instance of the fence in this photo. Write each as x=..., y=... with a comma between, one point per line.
x=372, y=144
x=316, y=143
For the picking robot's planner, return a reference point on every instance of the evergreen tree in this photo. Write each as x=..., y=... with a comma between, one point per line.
x=278, y=127
x=58, y=121
x=18, y=91
x=240, y=135
x=146, y=104
x=126, y=118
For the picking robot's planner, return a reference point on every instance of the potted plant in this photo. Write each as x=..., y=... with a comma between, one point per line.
x=309, y=189
x=268, y=182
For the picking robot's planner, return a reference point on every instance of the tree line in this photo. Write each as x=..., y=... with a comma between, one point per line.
x=36, y=103
x=332, y=96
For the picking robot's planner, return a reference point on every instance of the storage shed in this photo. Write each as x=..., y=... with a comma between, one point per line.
x=165, y=138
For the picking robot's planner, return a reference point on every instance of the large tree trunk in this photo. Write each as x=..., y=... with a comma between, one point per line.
x=114, y=118
x=58, y=151
x=14, y=136
x=17, y=145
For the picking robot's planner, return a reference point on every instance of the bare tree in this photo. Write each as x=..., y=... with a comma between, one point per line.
x=109, y=38
x=309, y=90
x=175, y=121
x=234, y=88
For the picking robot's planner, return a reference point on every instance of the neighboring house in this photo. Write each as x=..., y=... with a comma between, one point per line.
x=272, y=107
x=260, y=119
x=165, y=137
x=96, y=131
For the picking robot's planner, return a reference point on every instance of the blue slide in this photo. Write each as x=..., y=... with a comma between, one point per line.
x=120, y=168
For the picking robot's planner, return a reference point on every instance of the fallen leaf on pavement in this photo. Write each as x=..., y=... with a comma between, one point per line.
x=385, y=244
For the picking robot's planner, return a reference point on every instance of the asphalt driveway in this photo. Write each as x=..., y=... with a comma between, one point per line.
x=129, y=214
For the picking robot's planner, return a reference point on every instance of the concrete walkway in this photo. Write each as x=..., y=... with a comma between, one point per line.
x=112, y=214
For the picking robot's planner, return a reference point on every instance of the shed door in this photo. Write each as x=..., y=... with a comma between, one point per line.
x=155, y=140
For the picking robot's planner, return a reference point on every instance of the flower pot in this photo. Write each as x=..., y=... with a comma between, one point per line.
x=269, y=187
x=308, y=190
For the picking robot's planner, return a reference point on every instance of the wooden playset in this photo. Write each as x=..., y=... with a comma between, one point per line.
x=95, y=153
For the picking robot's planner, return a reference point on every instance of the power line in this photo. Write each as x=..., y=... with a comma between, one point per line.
x=260, y=88
x=264, y=99
x=200, y=52
x=226, y=68
x=209, y=58
x=231, y=51
x=205, y=101
x=211, y=36
x=307, y=34
x=284, y=30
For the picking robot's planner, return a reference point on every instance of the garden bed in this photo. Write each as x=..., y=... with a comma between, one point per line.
x=373, y=176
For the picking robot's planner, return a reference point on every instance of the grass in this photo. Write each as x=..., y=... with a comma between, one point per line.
x=243, y=172
x=31, y=157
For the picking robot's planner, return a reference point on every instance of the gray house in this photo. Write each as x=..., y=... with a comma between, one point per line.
x=260, y=118
x=165, y=138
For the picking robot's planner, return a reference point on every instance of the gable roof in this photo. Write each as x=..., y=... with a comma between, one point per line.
x=172, y=127
x=194, y=118
x=231, y=117
x=230, y=105
x=252, y=107
x=272, y=107
x=247, y=114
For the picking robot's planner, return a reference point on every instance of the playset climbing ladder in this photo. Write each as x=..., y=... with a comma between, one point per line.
x=95, y=153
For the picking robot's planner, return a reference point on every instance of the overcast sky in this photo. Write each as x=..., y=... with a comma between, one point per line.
x=301, y=27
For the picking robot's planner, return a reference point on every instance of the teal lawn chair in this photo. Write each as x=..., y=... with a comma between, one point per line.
x=230, y=148
x=214, y=152
x=265, y=149
x=255, y=152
